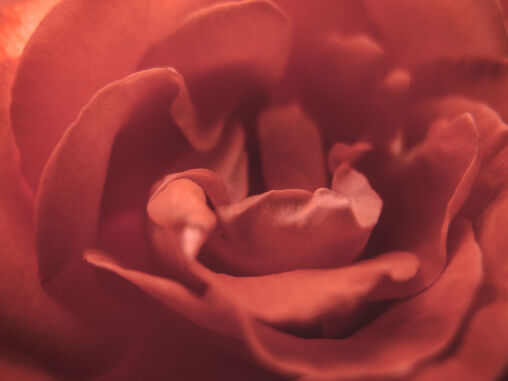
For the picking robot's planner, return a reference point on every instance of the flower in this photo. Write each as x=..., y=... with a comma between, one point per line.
x=253, y=189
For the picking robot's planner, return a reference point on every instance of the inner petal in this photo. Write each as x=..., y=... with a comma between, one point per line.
x=283, y=230
x=291, y=150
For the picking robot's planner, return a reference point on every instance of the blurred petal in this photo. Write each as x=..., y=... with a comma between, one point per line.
x=417, y=31
x=291, y=150
x=425, y=192
x=290, y=229
x=55, y=80
x=481, y=353
x=409, y=333
x=303, y=297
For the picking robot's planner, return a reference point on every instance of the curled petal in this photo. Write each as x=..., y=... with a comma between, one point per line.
x=302, y=297
x=65, y=225
x=291, y=229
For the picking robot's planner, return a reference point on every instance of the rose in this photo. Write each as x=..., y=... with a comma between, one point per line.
x=178, y=281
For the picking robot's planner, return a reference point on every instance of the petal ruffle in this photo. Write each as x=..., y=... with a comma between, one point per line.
x=407, y=334
x=284, y=230
x=65, y=225
x=425, y=193
x=54, y=82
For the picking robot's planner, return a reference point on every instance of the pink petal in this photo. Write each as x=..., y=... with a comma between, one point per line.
x=418, y=31
x=66, y=224
x=425, y=192
x=293, y=229
x=53, y=84
x=410, y=332
x=481, y=353
x=291, y=150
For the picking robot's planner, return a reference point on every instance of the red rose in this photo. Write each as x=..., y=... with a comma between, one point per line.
x=253, y=190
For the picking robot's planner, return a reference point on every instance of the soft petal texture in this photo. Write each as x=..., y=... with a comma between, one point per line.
x=480, y=78
x=182, y=217
x=420, y=30
x=481, y=353
x=55, y=83
x=302, y=297
x=65, y=226
x=425, y=193
x=408, y=333
x=18, y=20
x=291, y=150
x=284, y=230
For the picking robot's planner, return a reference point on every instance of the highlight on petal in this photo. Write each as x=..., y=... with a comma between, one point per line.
x=182, y=218
x=65, y=223
x=291, y=149
x=18, y=20
x=411, y=332
x=417, y=31
x=284, y=230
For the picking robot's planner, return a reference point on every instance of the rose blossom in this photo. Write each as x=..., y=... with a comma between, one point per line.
x=253, y=190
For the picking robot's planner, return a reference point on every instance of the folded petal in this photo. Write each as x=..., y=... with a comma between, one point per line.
x=409, y=333
x=284, y=230
x=423, y=193
x=291, y=150
x=304, y=297
x=417, y=31
x=481, y=353
x=67, y=224
x=54, y=81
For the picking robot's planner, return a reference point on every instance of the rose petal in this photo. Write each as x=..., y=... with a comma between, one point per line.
x=418, y=31
x=426, y=193
x=407, y=334
x=291, y=150
x=410, y=332
x=293, y=229
x=493, y=140
x=53, y=84
x=66, y=225
x=479, y=78
x=222, y=46
x=492, y=231
x=481, y=354
x=303, y=297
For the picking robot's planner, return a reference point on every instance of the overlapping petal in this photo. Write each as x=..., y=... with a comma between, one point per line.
x=53, y=84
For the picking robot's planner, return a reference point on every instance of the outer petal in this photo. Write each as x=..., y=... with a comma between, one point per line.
x=55, y=81
x=420, y=30
x=66, y=225
x=410, y=332
x=482, y=352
